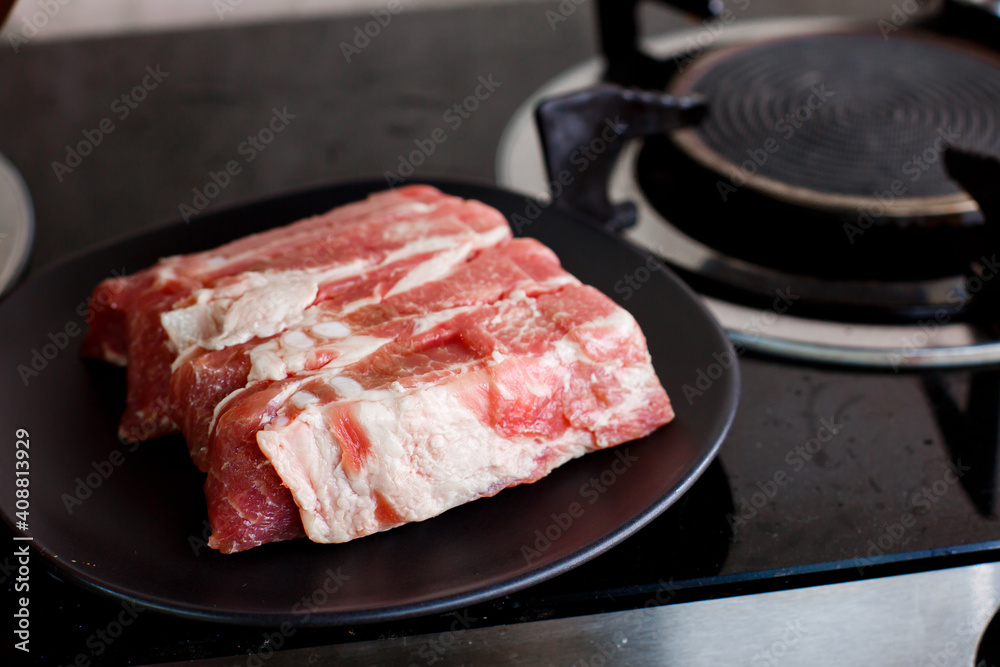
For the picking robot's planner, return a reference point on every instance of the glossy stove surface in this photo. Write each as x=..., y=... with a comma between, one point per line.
x=827, y=476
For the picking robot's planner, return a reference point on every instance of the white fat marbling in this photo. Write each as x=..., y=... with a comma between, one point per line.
x=297, y=339
x=435, y=268
x=301, y=399
x=346, y=387
x=266, y=310
x=331, y=330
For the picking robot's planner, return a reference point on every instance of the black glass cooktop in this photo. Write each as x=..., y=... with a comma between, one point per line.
x=827, y=475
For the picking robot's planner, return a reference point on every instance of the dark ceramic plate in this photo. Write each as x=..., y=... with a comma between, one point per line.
x=130, y=519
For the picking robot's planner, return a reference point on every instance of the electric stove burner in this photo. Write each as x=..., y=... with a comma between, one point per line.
x=836, y=140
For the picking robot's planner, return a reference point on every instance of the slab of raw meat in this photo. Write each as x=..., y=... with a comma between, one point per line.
x=497, y=396
x=339, y=330
x=305, y=262
x=492, y=376
x=373, y=366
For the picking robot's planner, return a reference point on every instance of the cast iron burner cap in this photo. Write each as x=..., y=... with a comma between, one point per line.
x=837, y=141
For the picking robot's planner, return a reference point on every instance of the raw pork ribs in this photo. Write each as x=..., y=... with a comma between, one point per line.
x=374, y=365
